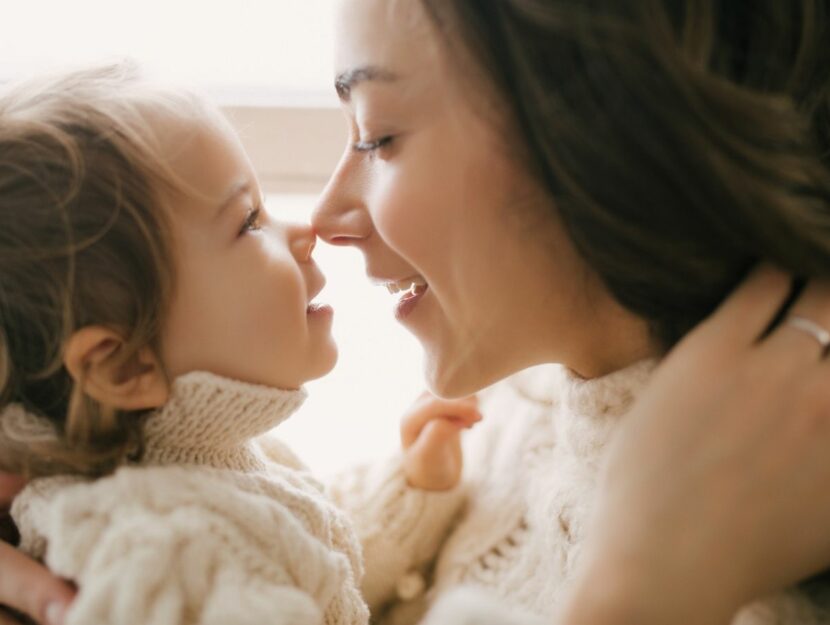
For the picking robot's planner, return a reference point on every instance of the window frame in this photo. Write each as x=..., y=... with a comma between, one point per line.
x=294, y=148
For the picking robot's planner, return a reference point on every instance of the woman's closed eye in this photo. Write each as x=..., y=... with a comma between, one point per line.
x=252, y=221
x=373, y=146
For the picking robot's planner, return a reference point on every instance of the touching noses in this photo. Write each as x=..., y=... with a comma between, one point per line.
x=301, y=241
x=340, y=217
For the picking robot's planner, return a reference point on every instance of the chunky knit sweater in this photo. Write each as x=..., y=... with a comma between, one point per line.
x=245, y=537
x=216, y=526
x=514, y=533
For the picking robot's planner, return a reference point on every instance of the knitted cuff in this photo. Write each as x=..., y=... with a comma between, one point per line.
x=400, y=528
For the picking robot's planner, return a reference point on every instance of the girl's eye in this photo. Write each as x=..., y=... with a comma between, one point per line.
x=252, y=221
x=371, y=147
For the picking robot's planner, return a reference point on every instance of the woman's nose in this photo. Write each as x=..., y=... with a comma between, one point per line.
x=340, y=217
x=301, y=241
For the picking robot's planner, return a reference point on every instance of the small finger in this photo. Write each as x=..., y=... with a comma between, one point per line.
x=413, y=422
x=427, y=397
x=439, y=439
x=465, y=423
x=30, y=588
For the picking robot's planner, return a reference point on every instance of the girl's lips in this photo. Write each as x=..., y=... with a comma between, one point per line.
x=319, y=310
x=409, y=301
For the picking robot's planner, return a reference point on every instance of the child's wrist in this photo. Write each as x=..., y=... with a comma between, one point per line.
x=429, y=485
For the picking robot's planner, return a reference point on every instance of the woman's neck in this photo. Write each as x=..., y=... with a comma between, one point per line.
x=612, y=339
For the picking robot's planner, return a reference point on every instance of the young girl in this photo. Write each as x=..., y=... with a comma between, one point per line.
x=155, y=323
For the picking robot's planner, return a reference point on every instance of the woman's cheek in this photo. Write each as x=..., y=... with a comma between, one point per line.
x=398, y=210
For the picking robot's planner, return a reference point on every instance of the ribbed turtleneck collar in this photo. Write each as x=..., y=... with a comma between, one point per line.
x=591, y=408
x=609, y=395
x=211, y=420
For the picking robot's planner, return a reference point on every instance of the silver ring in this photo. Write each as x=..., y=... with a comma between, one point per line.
x=813, y=329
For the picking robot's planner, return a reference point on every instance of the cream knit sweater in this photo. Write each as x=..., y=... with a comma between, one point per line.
x=515, y=534
x=217, y=526
x=245, y=536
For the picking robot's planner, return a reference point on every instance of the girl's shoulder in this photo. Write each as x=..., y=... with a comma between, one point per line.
x=176, y=524
x=66, y=511
x=163, y=490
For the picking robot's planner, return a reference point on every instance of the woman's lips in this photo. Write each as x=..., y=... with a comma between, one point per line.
x=409, y=301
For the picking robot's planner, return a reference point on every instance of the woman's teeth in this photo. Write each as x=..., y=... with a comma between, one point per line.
x=410, y=284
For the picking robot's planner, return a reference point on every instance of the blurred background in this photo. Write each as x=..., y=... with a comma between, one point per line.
x=268, y=63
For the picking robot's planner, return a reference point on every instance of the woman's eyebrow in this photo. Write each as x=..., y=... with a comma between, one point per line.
x=348, y=80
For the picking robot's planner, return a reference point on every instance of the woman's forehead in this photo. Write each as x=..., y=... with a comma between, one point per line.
x=390, y=34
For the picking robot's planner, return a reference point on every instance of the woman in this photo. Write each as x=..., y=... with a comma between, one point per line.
x=576, y=183
x=581, y=183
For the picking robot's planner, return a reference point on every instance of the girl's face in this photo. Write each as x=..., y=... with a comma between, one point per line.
x=429, y=192
x=244, y=283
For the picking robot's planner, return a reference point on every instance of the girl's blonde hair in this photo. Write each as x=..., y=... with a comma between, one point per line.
x=84, y=240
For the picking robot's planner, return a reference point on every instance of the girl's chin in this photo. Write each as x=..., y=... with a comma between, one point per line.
x=327, y=361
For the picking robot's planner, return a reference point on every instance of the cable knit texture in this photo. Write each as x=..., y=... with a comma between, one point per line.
x=217, y=525
x=532, y=469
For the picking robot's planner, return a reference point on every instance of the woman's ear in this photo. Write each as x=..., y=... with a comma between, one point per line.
x=92, y=355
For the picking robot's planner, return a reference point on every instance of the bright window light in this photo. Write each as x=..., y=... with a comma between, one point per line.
x=236, y=49
x=352, y=414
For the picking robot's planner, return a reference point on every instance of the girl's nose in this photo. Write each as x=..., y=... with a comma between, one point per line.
x=301, y=241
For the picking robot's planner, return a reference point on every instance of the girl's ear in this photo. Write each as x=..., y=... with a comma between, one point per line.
x=92, y=357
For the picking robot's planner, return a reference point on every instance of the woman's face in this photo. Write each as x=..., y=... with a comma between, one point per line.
x=430, y=194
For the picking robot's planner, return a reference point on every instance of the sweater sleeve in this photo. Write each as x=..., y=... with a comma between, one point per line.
x=401, y=529
x=169, y=546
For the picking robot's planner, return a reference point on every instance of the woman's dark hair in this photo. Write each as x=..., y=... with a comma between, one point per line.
x=680, y=142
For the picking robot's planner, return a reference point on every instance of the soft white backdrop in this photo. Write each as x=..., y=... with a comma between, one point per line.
x=352, y=414
x=234, y=48
x=262, y=52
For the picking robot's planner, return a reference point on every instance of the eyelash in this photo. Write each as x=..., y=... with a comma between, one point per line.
x=372, y=146
x=251, y=222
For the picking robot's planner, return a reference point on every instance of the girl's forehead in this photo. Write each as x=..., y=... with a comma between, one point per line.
x=210, y=162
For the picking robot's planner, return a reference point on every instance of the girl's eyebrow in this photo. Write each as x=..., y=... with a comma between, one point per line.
x=239, y=188
x=348, y=80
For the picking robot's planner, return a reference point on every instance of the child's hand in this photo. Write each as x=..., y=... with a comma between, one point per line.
x=431, y=439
